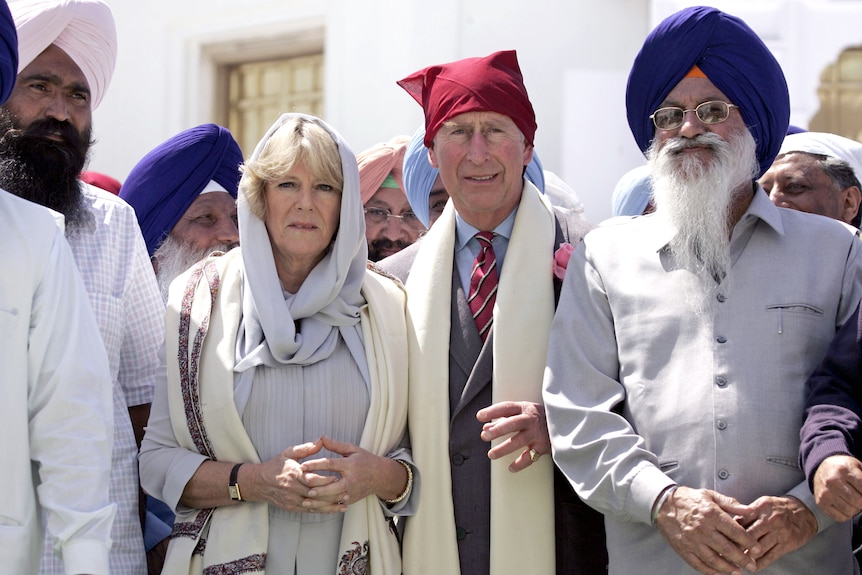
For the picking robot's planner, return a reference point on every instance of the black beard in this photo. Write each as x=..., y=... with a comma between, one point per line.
x=376, y=247
x=43, y=170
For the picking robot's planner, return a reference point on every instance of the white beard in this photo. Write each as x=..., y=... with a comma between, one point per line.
x=174, y=257
x=697, y=196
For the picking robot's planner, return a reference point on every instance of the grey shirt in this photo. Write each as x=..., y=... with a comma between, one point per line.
x=642, y=392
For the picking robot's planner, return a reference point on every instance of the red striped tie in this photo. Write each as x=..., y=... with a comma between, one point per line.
x=483, y=284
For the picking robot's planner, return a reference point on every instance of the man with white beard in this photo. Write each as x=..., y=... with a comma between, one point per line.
x=184, y=195
x=676, y=372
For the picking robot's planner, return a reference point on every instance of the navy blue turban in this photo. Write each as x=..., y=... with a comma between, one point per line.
x=8, y=52
x=163, y=185
x=731, y=55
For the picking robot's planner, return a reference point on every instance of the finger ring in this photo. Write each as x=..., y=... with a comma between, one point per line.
x=341, y=503
x=534, y=455
x=311, y=510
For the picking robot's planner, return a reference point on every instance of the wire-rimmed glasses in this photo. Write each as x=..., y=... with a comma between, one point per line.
x=672, y=117
x=380, y=216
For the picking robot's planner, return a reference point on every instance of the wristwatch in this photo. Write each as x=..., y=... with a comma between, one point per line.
x=233, y=486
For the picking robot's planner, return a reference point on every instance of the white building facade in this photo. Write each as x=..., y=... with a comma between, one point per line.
x=175, y=58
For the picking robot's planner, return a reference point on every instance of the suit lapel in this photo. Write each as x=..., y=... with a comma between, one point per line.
x=464, y=341
x=465, y=351
x=480, y=376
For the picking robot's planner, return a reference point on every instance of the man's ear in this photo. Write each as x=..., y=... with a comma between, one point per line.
x=528, y=155
x=432, y=157
x=851, y=198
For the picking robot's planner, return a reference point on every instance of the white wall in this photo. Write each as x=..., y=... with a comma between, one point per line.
x=575, y=56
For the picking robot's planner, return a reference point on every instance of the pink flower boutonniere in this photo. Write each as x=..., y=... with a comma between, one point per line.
x=561, y=259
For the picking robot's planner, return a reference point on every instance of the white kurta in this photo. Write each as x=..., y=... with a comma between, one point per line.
x=56, y=413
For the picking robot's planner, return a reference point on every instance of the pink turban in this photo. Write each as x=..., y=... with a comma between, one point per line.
x=379, y=161
x=490, y=84
x=83, y=29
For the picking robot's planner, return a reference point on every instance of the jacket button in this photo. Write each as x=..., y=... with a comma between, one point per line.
x=458, y=459
x=723, y=474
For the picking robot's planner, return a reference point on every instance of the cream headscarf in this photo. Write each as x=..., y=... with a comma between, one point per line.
x=83, y=29
x=328, y=301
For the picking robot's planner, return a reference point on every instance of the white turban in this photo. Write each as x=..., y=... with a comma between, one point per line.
x=83, y=29
x=825, y=144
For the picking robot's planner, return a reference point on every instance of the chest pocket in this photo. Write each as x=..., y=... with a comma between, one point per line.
x=794, y=315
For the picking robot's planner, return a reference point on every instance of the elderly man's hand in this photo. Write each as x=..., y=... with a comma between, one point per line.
x=527, y=425
x=838, y=487
x=701, y=527
x=780, y=524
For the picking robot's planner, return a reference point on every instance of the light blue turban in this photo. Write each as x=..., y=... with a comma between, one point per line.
x=419, y=175
x=632, y=193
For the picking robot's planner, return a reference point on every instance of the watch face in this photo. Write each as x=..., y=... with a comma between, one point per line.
x=234, y=492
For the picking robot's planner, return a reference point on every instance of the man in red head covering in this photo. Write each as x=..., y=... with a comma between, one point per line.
x=481, y=297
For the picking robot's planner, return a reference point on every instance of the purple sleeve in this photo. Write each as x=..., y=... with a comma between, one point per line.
x=833, y=414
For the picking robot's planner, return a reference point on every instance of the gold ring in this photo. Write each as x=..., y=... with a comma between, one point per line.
x=534, y=455
x=341, y=503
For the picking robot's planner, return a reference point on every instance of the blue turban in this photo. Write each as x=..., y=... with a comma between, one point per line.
x=632, y=192
x=733, y=58
x=8, y=52
x=163, y=185
x=419, y=175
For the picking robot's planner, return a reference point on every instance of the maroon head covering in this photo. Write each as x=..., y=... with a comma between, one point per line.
x=490, y=84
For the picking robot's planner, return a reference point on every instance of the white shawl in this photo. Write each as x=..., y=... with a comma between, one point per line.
x=233, y=538
x=522, y=504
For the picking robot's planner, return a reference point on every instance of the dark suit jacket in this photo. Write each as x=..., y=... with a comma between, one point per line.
x=580, y=536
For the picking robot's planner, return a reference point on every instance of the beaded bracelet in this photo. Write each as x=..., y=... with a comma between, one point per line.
x=660, y=501
x=407, y=488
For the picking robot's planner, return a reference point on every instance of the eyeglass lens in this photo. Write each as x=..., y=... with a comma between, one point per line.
x=379, y=216
x=671, y=118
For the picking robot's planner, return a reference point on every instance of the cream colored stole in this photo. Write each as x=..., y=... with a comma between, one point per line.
x=384, y=327
x=236, y=536
x=522, y=504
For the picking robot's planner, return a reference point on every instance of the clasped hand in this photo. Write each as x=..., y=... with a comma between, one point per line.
x=323, y=485
x=717, y=534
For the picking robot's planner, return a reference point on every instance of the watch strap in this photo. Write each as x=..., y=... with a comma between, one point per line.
x=233, y=486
